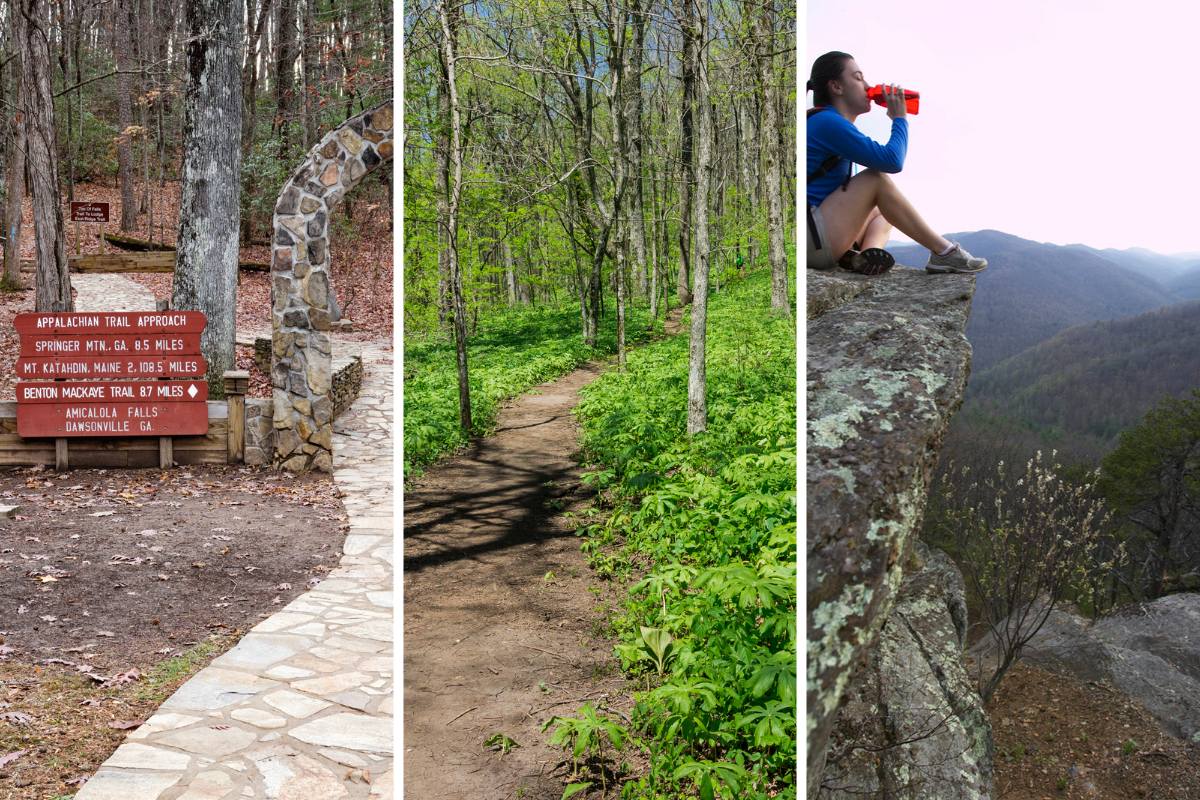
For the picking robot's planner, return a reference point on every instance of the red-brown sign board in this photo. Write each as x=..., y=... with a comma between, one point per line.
x=89, y=322
x=111, y=391
x=92, y=367
x=111, y=419
x=111, y=344
x=89, y=212
x=77, y=348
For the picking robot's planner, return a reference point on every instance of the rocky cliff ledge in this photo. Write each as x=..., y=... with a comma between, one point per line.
x=888, y=361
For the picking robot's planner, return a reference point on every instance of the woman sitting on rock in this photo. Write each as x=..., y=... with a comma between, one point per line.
x=850, y=216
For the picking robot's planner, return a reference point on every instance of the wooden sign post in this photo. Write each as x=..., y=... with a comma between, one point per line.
x=88, y=212
x=75, y=369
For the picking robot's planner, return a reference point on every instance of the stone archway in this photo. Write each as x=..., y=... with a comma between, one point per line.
x=302, y=300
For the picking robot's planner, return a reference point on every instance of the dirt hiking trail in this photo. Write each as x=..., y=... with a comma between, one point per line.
x=492, y=643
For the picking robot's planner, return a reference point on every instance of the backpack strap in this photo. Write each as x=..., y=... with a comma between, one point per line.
x=825, y=167
x=829, y=163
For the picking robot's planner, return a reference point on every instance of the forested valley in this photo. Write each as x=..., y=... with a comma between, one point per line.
x=604, y=186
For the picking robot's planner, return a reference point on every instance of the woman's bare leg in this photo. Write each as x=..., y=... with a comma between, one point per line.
x=876, y=232
x=846, y=212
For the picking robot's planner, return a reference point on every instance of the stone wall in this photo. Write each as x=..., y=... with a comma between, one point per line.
x=260, y=429
x=302, y=299
x=260, y=432
x=888, y=361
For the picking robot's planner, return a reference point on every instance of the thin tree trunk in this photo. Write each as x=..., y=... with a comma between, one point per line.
x=633, y=81
x=653, y=265
x=510, y=273
x=618, y=98
x=122, y=53
x=209, y=210
x=451, y=220
x=250, y=79
x=285, y=64
x=64, y=67
x=15, y=191
x=687, y=175
x=53, y=283
x=775, y=253
x=749, y=180
x=697, y=416
x=308, y=68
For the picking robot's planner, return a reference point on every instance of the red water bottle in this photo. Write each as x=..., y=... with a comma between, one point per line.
x=912, y=100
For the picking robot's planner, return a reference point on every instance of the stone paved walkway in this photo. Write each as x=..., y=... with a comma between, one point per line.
x=301, y=708
x=110, y=293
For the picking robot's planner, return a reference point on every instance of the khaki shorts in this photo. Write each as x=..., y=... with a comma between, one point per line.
x=819, y=255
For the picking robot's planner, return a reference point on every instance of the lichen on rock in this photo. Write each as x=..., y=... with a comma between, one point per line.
x=888, y=361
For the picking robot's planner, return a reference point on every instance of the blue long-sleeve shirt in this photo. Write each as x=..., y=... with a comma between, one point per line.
x=831, y=133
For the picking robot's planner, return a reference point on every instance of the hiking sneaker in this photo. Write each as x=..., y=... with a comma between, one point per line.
x=872, y=261
x=957, y=260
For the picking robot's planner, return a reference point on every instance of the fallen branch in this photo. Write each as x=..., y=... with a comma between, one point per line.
x=463, y=714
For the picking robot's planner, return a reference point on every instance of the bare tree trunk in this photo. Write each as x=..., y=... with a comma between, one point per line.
x=633, y=81
x=64, y=67
x=451, y=219
x=749, y=179
x=15, y=190
x=510, y=273
x=697, y=416
x=122, y=53
x=687, y=174
x=250, y=79
x=653, y=266
x=53, y=284
x=285, y=64
x=308, y=67
x=209, y=210
x=764, y=26
x=618, y=98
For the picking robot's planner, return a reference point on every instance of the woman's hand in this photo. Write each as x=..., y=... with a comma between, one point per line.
x=894, y=96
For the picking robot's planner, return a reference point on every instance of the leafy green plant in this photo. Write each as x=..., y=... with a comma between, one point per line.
x=585, y=735
x=502, y=742
x=658, y=642
x=713, y=779
x=708, y=525
x=575, y=788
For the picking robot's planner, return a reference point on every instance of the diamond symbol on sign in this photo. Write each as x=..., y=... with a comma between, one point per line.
x=192, y=390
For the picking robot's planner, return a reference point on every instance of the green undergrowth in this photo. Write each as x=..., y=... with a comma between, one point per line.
x=507, y=353
x=703, y=529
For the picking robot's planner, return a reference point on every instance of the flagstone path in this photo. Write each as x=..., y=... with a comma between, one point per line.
x=301, y=707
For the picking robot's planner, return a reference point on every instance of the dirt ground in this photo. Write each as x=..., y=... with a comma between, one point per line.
x=504, y=624
x=1057, y=737
x=116, y=585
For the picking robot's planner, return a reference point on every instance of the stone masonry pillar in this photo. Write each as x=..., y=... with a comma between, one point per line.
x=301, y=293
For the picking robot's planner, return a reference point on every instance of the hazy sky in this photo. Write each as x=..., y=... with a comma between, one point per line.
x=1065, y=122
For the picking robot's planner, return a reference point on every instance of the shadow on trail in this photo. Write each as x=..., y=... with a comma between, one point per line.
x=501, y=501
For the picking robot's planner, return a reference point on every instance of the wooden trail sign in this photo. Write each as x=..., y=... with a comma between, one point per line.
x=89, y=212
x=92, y=367
x=139, y=322
x=110, y=345
x=152, y=418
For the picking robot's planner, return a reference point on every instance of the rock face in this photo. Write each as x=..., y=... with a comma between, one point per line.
x=888, y=361
x=1149, y=651
x=912, y=724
